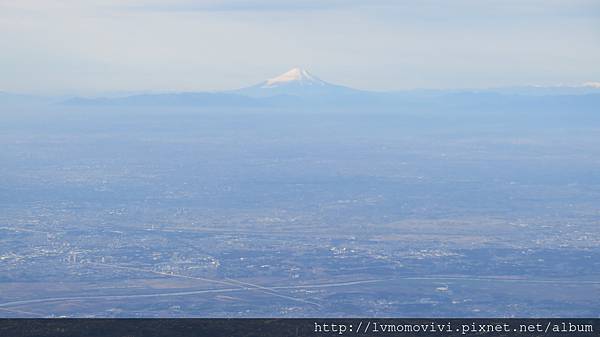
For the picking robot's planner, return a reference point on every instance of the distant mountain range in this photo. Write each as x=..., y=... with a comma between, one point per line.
x=299, y=89
x=295, y=87
x=174, y=99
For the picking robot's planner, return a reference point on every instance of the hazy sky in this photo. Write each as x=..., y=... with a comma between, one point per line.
x=78, y=46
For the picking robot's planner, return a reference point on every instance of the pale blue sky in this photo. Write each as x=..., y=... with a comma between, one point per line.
x=72, y=46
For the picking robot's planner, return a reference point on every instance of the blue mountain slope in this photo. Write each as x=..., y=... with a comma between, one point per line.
x=175, y=99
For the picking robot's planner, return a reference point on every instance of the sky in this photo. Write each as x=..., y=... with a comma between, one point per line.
x=96, y=46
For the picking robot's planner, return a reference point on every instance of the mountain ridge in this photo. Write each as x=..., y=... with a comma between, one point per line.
x=299, y=89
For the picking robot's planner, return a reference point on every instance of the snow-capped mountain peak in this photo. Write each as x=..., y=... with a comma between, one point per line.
x=297, y=76
x=295, y=82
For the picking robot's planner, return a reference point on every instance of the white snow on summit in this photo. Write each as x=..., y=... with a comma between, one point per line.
x=293, y=76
